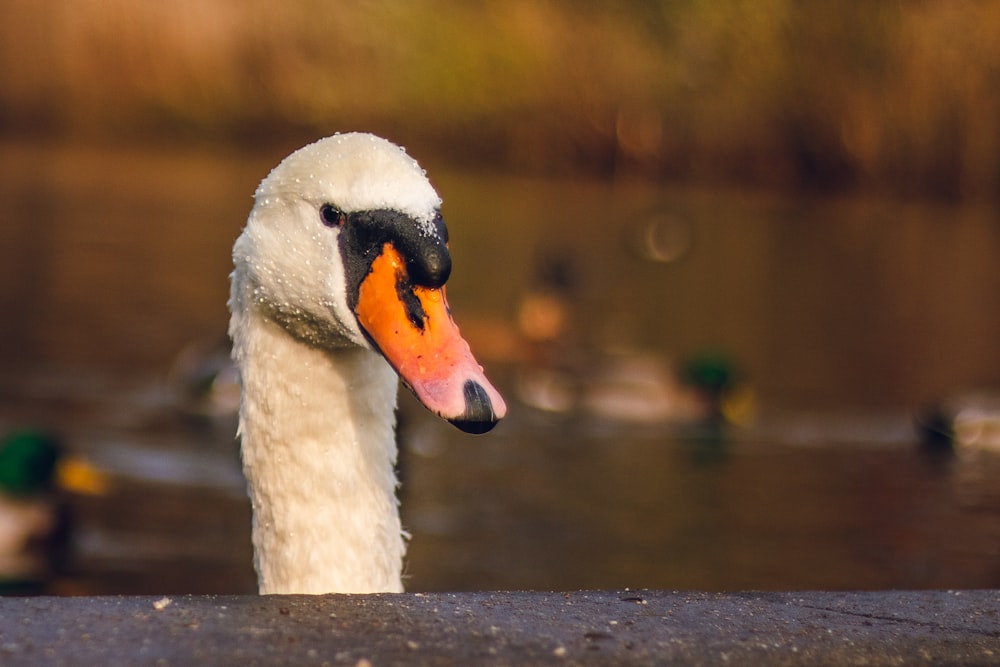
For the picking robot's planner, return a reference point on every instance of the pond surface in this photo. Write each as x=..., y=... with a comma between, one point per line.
x=841, y=320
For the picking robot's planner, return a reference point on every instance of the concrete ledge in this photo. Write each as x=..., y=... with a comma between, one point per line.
x=605, y=628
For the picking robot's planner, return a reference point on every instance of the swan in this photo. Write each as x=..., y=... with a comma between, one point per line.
x=337, y=289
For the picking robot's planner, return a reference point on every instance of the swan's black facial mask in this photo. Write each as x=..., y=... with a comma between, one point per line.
x=365, y=233
x=395, y=271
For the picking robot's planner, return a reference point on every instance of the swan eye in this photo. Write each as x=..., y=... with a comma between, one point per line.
x=332, y=216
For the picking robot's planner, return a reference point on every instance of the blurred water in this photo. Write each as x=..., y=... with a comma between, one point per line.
x=842, y=316
x=539, y=508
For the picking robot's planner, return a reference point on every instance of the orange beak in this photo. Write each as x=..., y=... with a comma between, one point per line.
x=412, y=327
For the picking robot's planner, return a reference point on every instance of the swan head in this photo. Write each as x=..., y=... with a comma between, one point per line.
x=345, y=246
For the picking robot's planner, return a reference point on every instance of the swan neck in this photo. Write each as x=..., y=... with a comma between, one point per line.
x=319, y=450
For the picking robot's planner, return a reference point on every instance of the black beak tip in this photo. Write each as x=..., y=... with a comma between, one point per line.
x=473, y=427
x=479, y=416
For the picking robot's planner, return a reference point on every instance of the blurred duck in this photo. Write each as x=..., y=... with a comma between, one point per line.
x=338, y=287
x=967, y=420
x=30, y=510
x=643, y=388
x=35, y=475
x=623, y=385
x=204, y=380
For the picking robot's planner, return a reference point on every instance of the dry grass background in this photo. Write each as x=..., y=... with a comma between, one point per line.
x=870, y=96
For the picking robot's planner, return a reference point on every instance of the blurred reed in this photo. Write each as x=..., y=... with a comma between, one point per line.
x=901, y=97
